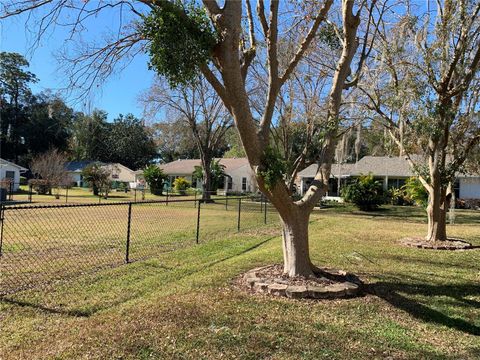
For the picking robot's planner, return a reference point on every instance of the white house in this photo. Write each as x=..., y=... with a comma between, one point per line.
x=11, y=172
x=118, y=172
x=392, y=171
x=239, y=175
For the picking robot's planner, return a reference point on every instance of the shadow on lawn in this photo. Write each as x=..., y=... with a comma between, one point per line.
x=78, y=312
x=51, y=310
x=391, y=292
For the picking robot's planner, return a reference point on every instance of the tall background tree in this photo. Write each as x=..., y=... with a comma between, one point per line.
x=15, y=93
x=174, y=140
x=424, y=87
x=130, y=142
x=201, y=110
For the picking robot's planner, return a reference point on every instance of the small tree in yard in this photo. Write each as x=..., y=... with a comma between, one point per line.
x=366, y=193
x=155, y=178
x=98, y=177
x=217, y=174
x=49, y=167
x=199, y=108
x=181, y=185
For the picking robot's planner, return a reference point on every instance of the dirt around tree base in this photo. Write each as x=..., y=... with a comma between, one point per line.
x=449, y=244
x=325, y=284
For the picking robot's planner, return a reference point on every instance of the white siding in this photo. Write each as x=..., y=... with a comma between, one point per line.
x=470, y=188
x=16, y=179
x=237, y=176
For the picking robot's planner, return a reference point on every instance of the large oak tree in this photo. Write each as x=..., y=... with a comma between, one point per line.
x=223, y=47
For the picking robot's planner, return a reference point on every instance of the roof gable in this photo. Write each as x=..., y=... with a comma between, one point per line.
x=9, y=163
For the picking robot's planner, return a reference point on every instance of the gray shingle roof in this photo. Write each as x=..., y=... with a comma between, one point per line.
x=186, y=167
x=78, y=166
x=377, y=165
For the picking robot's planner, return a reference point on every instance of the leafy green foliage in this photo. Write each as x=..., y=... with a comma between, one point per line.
x=273, y=167
x=398, y=196
x=365, y=192
x=181, y=185
x=126, y=141
x=155, y=178
x=326, y=34
x=98, y=177
x=217, y=174
x=181, y=40
x=129, y=142
x=416, y=192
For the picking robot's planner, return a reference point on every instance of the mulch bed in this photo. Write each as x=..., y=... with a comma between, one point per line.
x=450, y=244
x=325, y=284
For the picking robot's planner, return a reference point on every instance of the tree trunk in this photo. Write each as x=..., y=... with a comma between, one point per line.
x=296, y=254
x=207, y=186
x=437, y=212
x=207, y=178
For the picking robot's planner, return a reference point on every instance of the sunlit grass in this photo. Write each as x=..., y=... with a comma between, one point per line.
x=419, y=304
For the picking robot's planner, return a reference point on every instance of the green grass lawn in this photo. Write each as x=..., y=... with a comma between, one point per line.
x=419, y=304
x=77, y=195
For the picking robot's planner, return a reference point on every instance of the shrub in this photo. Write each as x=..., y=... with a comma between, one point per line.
x=398, y=196
x=416, y=192
x=98, y=177
x=155, y=179
x=181, y=185
x=365, y=192
x=41, y=186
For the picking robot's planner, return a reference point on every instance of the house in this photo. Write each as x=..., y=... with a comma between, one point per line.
x=118, y=172
x=239, y=175
x=11, y=172
x=392, y=171
x=121, y=173
x=75, y=169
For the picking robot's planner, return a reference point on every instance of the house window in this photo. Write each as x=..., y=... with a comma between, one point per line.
x=114, y=176
x=244, y=184
x=10, y=174
x=456, y=188
x=229, y=183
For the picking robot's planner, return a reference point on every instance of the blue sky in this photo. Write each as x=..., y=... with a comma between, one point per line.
x=118, y=95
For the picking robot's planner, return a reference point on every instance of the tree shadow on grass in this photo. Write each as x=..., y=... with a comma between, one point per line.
x=91, y=310
x=51, y=310
x=393, y=293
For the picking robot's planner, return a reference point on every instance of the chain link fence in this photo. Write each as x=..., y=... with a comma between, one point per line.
x=42, y=244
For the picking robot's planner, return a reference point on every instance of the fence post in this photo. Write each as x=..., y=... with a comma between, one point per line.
x=239, y=212
x=226, y=201
x=265, y=211
x=30, y=190
x=167, y=196
x=66, y=195
x=198, y=221
x=195, y=201
x=2, y=219
x=10, y=197
x=129, y=223
x=135, y=195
